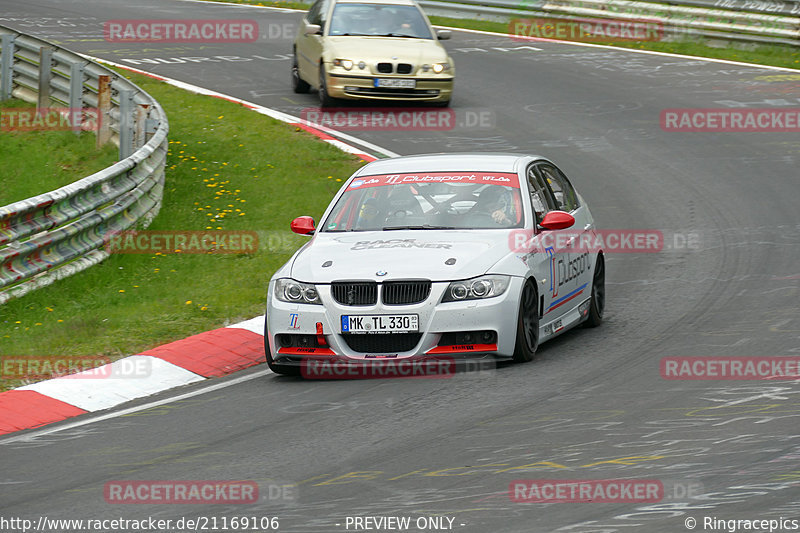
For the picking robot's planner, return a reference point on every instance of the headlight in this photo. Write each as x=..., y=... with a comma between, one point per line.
x=477, y=288
x=438, y=68
x=346, y=64
x=289, y=290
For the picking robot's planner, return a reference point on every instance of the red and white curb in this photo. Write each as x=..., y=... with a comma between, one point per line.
x=210, y=354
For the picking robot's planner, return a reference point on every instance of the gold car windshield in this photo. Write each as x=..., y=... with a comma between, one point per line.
x=378, y=20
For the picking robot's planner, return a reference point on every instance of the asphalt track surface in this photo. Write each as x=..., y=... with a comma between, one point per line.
x=591, y=406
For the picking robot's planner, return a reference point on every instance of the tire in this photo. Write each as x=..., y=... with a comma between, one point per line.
x=527, y=324
x=298, y=84
x=286, y=370
x=324, y=98
x=598, y=303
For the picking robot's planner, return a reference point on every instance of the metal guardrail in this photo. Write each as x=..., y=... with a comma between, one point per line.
x=731, y=20
x=56, y=234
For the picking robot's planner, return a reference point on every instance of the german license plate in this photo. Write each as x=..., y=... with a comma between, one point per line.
x=379, y=323
x=395, y=83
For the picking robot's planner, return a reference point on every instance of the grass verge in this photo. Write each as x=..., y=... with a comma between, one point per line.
x=228, y=168
x=34, y=162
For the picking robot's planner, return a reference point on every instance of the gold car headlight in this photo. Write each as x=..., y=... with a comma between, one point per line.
x=346, y=64
x=438, y=68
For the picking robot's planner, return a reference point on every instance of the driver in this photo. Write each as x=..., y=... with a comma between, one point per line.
x=368, y=214
x=496, y=202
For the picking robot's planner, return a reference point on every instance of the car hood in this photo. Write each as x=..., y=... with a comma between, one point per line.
x=438, y=255
x=374, y=49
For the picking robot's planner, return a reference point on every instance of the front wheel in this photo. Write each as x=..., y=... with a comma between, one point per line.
x=298, y=84
x=527, y=324
x=598, y=303
x=324, y=98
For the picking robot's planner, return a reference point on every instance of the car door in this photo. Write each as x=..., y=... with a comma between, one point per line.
x=544, y=259
x=309, y=46
x=572, y=266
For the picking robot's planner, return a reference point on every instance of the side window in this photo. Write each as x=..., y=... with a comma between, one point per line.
x=540, y=196
x=323, y=13
x=563, y=193
x=313, y=16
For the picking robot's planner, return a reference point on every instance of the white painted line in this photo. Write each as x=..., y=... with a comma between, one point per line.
x=33, y=435
x=115, y=383
x=256, y=325
x=541, y=39
x=619, y=49
x=274, y=113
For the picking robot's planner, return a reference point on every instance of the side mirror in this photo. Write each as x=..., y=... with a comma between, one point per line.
x=312, y=29
x=443, y=35
x=303, y=226
x=557, y=220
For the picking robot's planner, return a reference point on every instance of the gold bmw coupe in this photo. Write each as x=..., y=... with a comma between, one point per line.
x=371, y=49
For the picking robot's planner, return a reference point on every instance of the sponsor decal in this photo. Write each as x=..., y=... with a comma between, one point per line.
x=399, y=243
x=463, y=348
x=495, y=178
x=293, y=320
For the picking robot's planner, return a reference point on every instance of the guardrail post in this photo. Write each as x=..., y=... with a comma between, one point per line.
x=45, y=74
x=6, y=65
x=125, y=123
x=76, y=93
x=142, y=111
x=103, y=110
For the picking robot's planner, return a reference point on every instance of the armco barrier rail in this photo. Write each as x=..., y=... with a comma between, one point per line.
x=730, y=20
x=56, y=234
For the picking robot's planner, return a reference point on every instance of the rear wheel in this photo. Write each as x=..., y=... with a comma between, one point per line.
x=527, y=324
x=298, y=85
x=598, y=303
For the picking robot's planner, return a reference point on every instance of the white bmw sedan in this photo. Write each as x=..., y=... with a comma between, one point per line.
x=458, y=255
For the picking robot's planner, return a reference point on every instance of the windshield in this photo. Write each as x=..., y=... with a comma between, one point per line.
x=436, y=200
x=378, y=20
